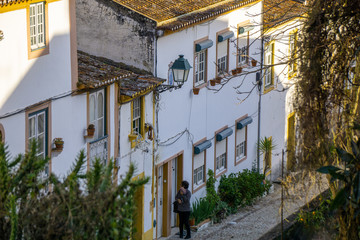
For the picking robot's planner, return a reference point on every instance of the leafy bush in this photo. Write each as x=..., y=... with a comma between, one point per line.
x=221, y=211
x=201, y=210
x=81, y=206
x=211, y=194
x=242, y=189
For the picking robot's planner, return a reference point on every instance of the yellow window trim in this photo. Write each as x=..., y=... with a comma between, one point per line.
x=293, y=73
x=271, y=86
x=40, y=51
x=132, y=136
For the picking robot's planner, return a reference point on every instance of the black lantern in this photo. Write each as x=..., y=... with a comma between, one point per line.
x=180, y=70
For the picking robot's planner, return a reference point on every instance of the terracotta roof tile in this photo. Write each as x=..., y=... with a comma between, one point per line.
x=95, y=72
x=277, y=12
x=171, y=15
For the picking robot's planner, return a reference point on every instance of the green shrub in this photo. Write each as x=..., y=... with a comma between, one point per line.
x=81, y=206
x=221, y=211
x=242, y=189
x=211, y=194
x=201, y=210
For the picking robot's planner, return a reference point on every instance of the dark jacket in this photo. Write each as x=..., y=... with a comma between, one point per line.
x=184, y=206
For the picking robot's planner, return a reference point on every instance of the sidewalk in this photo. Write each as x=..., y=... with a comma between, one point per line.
x=252, y=222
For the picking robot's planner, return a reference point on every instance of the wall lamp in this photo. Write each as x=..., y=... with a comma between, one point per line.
x=180, y=72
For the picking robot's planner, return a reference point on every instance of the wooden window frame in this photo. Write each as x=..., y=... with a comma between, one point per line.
x=192, y=172
x=223, y=171
x=204, y=83
x=2, y=133
x=31, y=111
x=238, y=161
x=43, y=50
x=227, y=53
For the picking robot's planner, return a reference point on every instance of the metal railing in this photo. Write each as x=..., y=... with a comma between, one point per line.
x=99, y=149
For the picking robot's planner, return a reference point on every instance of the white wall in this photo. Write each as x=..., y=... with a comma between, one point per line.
x=277, y=104
x=25, y=82
x=207, y=112
x=141, y=156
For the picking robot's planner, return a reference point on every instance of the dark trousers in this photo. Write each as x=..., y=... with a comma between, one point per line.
x=184, y=219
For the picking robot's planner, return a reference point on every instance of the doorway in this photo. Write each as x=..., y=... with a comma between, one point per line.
x=169, y=177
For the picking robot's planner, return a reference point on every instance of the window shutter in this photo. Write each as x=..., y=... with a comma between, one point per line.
x=199, y=160
x=220, y=148
x=222, y=49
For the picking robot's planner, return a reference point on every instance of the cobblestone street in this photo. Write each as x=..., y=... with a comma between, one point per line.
x=252, y=222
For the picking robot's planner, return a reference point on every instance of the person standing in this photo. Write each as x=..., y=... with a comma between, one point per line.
x=183, y=197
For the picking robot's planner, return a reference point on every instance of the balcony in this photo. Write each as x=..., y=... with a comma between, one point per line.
x=99, y=149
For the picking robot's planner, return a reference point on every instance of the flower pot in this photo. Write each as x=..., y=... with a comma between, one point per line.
x=218, y=80
x=59, y=145
x=212, y=82
x=253, y=62
x=196, y=91
x=192, y=221
x=233, y=72
x=239, y=70
x=90, y=132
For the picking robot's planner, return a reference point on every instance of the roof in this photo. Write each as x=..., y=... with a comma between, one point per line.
x=95, y=72
x=277, y=12
x=171, y=15
x=6, y=2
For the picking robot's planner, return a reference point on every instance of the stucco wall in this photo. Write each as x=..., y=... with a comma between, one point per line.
x=278, y=103
x=141, y=156
x=204, y=114
x=108, y=30
x=25, y=82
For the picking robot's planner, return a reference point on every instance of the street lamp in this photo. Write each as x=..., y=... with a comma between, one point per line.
x=180, y=69
x=180, y=72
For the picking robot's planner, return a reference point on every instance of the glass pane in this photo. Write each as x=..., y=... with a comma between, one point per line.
x=92, y=108
x=100, y=109
x=31, y=127
x=41, y=143
x=41, y=123
x=100, y=127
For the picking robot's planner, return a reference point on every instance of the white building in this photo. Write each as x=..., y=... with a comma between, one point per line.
x=38, y=81
x=282, y=23
x=214, y=129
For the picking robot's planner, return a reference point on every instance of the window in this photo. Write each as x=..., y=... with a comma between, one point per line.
x=241, y=144
x=221, y=156
x=38, y=131
x=199, y=175
x=136, y=122
x=137, y=107
x=269, y=65
x=293, y=50
x=199, y=163
x=37, y=25
x=243, y=49
x=200, y=67
x=222, y=57
x=97, y=117
x=200, y=61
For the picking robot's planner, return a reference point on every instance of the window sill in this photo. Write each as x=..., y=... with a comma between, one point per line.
x=202, y=85
x=240, y=160
x=220, y=172
x=198, y=187
x=269, y=88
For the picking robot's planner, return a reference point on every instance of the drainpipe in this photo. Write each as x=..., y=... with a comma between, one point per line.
x=260, y=84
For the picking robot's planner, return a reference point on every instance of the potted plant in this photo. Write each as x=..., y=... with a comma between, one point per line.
x=239, y=70
x=234, y=71
x=212, y=82
x=253, y=62
x=91, y=130
x=218, y=79
x=196, y=91
x=59, y=143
